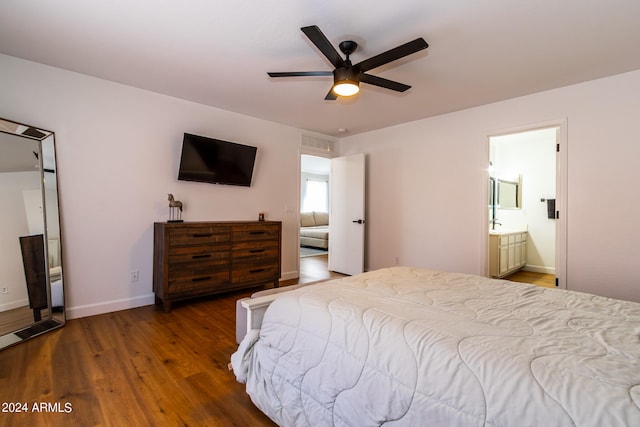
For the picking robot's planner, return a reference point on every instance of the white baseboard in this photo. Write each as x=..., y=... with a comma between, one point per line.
x=14, y=304
x=539, y=269
x=108, y=306
x=125, y=304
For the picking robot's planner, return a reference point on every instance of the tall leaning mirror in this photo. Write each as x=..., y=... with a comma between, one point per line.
x=31, y=280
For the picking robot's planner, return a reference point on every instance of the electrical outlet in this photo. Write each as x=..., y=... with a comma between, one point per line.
x=5, y=290
x=133, y=276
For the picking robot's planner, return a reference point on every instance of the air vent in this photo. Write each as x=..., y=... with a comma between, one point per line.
x=34, y=133
x=318, y=143
x=38, y=328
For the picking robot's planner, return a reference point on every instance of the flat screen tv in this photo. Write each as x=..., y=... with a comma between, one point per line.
x=215, y=161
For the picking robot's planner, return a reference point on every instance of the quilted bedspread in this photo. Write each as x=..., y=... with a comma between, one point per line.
x=415, y=347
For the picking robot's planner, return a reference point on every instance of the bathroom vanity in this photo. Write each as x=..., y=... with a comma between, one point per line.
x=507, y=252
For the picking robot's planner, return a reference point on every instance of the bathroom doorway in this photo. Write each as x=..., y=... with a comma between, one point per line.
x=527, y=188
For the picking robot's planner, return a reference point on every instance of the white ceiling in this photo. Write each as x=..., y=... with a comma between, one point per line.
x=218, y=53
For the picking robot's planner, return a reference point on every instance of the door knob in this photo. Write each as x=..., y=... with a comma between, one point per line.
x=358, y=221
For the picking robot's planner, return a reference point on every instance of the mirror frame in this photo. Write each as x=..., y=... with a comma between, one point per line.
x=495, y=192
x=50, y=212
x=517, y=189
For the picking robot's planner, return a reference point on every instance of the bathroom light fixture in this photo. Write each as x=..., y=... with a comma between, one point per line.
x=491, y=169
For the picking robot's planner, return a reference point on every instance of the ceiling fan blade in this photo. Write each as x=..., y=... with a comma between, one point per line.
x=392, y=54
x=323, y=44
x=387, y=84
x=300, y=74
x=331, y=96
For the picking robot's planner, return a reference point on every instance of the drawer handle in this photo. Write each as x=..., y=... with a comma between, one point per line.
x=201, y=256
x=202, y=235
x=200, y=279
x=256, y=251
x=257, y=232
x=257, y=270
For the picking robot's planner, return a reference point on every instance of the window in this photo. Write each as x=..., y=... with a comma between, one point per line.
x=316, y=196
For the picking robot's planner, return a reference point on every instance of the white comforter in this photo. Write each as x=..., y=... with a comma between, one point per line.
x=415, y=347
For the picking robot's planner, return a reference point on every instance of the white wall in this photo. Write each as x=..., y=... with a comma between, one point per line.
x=427, y=184
x=117, y=155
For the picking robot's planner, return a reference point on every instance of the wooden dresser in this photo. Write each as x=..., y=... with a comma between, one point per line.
x=193, y=259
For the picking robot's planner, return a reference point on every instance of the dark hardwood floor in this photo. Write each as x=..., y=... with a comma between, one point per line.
x=540, y=279
x=315, y=268
x=138, y=367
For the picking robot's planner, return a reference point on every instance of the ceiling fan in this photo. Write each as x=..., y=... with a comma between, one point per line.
x=347, y=77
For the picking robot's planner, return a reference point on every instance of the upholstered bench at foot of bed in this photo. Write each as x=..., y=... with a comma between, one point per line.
x=241, y=312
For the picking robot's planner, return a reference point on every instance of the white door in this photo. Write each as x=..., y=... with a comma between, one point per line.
x=347, y=219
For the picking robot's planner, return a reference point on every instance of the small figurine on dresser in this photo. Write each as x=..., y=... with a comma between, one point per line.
x=175, y=209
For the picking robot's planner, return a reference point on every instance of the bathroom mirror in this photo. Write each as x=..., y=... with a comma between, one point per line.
x=508, y=193
x=31, y=278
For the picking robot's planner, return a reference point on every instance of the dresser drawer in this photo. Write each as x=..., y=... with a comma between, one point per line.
x=249, y=232
x=206, y=254
x=251, y=252
x=194, y=236
x=255, y=273
x=196, y=279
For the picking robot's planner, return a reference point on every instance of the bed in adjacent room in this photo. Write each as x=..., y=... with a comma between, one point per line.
x=406, y=346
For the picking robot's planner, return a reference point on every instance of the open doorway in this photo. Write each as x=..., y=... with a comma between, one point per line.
x=314, y=217
x=526, y=188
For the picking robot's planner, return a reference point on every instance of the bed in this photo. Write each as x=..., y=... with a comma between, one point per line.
x=407, y=346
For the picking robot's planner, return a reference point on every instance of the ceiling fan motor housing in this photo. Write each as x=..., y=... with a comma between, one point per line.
x=348, y=47
x=346, y=73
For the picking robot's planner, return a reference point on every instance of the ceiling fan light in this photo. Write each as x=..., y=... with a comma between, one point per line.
x=345, y=81
x=346, y=88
